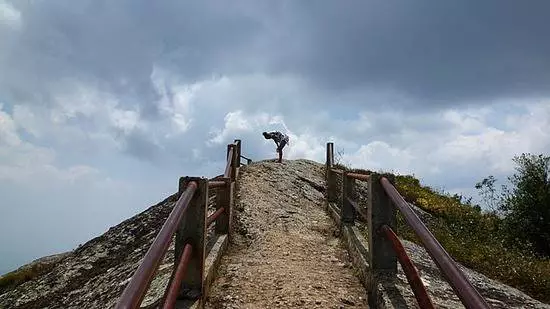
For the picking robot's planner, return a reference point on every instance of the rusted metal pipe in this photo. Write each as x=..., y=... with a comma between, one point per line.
x=174, y=289
x=357, y=176
x=467, y=293
x=358, y=210
x=214, y=216
x=135, y=290
x=216, y=184
x=419, y=290
x=338, y=171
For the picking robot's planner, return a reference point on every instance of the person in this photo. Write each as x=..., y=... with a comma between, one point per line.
x=280, y=139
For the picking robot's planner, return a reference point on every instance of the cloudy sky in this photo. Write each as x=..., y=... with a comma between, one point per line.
x=104, y=104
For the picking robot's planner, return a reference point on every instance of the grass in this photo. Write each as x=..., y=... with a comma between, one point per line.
x=473, y=238
x=20, y=276
x=29, y=271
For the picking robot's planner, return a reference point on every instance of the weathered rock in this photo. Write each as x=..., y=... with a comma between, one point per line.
x=398, y=293
x=95, y=274
x=286, y=243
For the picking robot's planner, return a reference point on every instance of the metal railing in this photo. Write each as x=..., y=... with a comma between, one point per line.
x=385, y=248
x=189, y=222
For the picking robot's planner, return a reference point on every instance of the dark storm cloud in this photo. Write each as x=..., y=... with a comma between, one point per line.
x=427, y=50
x=114, y=45
x=438, y=50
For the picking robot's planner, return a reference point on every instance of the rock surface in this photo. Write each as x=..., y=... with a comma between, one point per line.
x=498, y=295
x=399, y=294
x=95, y=274
x=286, y=254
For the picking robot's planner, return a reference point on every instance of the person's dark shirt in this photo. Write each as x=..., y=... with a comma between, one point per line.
x=278, y=136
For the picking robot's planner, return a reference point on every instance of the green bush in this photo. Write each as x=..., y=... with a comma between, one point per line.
x=481, y=240
x=475, y=239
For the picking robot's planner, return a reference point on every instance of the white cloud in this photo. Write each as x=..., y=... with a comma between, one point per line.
x=8, y=135
x=125, y=120
x=22, y=162
x=380, y=155
x=238, y=122
x=9, y=15
x=175, y=99
x=452, y=148
x=305, y=145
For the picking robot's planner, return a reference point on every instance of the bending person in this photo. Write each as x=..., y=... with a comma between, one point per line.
x=280, y=139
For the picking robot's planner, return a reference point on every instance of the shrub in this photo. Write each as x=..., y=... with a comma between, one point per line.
x=475, y=239
x=20, y=276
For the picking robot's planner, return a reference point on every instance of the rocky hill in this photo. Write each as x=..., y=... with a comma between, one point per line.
x=94, y=275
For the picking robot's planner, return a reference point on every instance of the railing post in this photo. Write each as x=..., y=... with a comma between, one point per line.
x=223, y=199
x=330, y=175
x=192, y=230
x=229, y=150
x=232, y=148
x=348, y=212
x=330, y=159
x=238, y=151
x=381, y=211
x=331, y=186
x=235, y=164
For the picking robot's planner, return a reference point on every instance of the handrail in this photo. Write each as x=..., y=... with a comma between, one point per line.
x=469, y=296
x=135, y=290
x=380, y=218
x=419, y=290
x=214, y=216
x=180, y=272
x=216, y=184
x=357, y=176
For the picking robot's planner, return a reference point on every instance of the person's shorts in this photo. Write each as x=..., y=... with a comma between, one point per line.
x=282, y=144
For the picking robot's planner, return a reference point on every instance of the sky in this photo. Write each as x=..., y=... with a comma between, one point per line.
x=104, y=104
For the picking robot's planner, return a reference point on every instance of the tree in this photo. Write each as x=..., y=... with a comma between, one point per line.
x=488, y=193
x=526, y=206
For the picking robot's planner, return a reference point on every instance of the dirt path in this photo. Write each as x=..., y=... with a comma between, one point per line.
x=286, y=253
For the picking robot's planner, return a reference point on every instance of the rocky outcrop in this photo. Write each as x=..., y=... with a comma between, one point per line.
x=498, y=295
x=287, y=253
x=396, y=292
x=95, y=274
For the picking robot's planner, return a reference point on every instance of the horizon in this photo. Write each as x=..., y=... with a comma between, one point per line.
x=104, y=104
x=3, y=272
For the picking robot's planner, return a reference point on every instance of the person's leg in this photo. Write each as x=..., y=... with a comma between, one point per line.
x=280, y=150
x=277, y=148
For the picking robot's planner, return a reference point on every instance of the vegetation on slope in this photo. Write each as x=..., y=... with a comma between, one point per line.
x=17, y=277
x=29, y=271
x=495, y=243
x=476, y=239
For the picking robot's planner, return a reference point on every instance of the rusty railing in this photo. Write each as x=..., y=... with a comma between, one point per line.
x=189, y=222
x=385, y=248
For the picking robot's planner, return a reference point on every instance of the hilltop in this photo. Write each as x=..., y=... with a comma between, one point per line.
x=283, y=196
